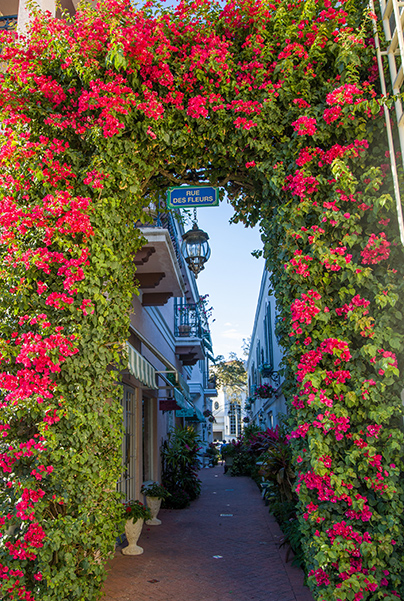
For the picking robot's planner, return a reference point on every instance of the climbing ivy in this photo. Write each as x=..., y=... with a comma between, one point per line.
x=276, y=103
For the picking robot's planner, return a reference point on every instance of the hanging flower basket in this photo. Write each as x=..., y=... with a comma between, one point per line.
x=265, y=391
x=266, y=370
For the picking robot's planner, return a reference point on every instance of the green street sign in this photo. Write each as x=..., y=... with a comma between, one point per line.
x=188, y=197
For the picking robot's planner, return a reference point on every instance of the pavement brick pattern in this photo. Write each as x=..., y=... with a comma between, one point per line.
x=224, y=547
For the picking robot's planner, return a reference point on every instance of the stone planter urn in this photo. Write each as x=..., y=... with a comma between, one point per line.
x=228, y=460
x=154, y=505
x=132, y=531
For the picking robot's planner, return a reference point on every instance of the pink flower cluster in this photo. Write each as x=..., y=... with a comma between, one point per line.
x=304, y=310
x=301, y=185
x=377, y=249
x=305, y=126
x=356, y=301
x=345, y=94
x=301, y=263
x=310, y=359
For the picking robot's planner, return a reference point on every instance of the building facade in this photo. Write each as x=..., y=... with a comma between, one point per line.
x=167, y=381
x=229, y=413
x=265, y=403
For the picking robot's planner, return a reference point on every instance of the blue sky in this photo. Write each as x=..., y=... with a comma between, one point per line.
x=231, y=277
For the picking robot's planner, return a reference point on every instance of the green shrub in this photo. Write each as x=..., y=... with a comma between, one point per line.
x=244, y=464
x=277, y=471
x=155, y=490
x=179, y=455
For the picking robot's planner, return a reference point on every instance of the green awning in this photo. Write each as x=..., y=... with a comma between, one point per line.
x=141, y=368
x=187, y=407
x=198, y=417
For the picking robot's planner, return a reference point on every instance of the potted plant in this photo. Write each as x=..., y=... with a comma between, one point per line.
x=266, y=370
x=154, y=493
x=209, y=415
x=184, y=329
x=265, y=391
x=229, y=451
x=180, y=462
x=134, y=513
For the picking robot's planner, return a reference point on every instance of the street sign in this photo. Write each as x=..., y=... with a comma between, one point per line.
x=187, y=197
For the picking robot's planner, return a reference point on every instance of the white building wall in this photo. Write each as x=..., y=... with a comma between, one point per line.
x=229, y=422
x=264, y=361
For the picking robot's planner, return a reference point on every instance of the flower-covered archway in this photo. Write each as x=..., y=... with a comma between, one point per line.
x=276, y=103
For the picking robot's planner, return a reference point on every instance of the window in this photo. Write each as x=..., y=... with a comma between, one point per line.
x=235, y=419
x=216, y=405
x=269, y=351
x=232, y=416
x=126, y=484
x=258, y=353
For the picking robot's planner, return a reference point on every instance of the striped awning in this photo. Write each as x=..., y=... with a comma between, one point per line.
x=141, y=368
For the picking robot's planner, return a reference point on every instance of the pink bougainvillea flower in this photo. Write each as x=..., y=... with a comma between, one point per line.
x=305, y=126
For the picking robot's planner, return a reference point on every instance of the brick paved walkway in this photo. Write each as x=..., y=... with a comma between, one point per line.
x=179, y=563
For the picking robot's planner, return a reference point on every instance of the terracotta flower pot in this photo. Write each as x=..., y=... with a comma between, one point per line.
x=154, y=504
x=184, y=330
x=132, y=531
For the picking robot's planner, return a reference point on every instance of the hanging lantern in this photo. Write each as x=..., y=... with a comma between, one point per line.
x=195, y=249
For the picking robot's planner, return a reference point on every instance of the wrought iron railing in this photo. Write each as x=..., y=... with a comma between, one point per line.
x=187, y=320
x=8, y=22
x=168, y=222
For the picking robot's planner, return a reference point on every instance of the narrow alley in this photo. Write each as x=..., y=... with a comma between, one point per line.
x=224, y=547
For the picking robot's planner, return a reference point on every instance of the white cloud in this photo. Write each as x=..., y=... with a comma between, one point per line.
x=232, y=334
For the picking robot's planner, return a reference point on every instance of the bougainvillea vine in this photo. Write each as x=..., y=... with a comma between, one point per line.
x=276, y=103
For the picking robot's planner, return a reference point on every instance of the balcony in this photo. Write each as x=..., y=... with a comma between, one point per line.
x=189, y=333
x=159, y=262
